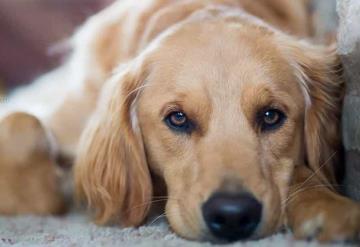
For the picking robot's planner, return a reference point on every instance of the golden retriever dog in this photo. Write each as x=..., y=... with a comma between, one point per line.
x=217, y=107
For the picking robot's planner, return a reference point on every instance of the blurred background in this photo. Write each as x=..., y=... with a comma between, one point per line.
x=33, y=33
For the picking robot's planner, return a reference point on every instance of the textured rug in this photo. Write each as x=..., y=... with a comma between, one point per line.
x=76, y=229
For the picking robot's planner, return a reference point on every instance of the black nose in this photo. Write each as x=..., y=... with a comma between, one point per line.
x=232, y=217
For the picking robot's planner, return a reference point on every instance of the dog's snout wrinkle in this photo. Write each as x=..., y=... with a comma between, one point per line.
x=232, y=217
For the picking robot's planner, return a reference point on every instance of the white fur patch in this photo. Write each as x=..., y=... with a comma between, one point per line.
x=311, y=227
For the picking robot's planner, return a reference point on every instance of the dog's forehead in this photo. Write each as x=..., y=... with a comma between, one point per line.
x=218, y=55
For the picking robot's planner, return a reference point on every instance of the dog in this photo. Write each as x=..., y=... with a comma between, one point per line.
x=220, y=108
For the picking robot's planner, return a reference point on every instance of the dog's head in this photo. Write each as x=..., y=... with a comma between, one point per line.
x=222, y=108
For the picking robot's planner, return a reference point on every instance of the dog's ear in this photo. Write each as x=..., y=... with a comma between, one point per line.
x=319, y=72
x=111, y=171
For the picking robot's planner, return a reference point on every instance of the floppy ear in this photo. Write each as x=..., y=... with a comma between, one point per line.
x=111, y=170
x=319, y=72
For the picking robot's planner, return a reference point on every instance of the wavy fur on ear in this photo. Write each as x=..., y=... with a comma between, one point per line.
x=318, y=70
x=111, y=171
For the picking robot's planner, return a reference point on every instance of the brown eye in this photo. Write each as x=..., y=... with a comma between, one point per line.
x=178, y=118
x=179, y=122
x=270, y=119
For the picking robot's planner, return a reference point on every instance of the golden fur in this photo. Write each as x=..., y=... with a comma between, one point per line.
x=220, y=64
x=28, y=179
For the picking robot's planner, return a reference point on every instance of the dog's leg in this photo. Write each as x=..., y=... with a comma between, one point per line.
x=28, y=179
x=316, y=211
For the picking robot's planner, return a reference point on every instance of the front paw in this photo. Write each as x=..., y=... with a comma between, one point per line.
x=327, y=220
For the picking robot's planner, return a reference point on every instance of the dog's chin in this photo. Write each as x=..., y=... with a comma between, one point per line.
x=183, y=221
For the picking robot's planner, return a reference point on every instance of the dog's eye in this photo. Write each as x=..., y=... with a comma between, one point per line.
x=178, y=121
x=270, y=119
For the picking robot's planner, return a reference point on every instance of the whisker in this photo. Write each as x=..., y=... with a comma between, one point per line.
x=294, y=194
x=317, y=170
x=135, y=91
x=165, y=197
x=150, y=202
x=157, y=218
x=160, y=217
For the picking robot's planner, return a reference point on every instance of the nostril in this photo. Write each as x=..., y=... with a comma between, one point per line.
x=232, y=217
x=244, y=220
x=217, y=222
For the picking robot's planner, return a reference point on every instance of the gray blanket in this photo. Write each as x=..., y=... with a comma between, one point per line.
x=349, y=49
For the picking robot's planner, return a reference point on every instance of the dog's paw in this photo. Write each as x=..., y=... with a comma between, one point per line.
x=29, y=181
x=329, y=221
